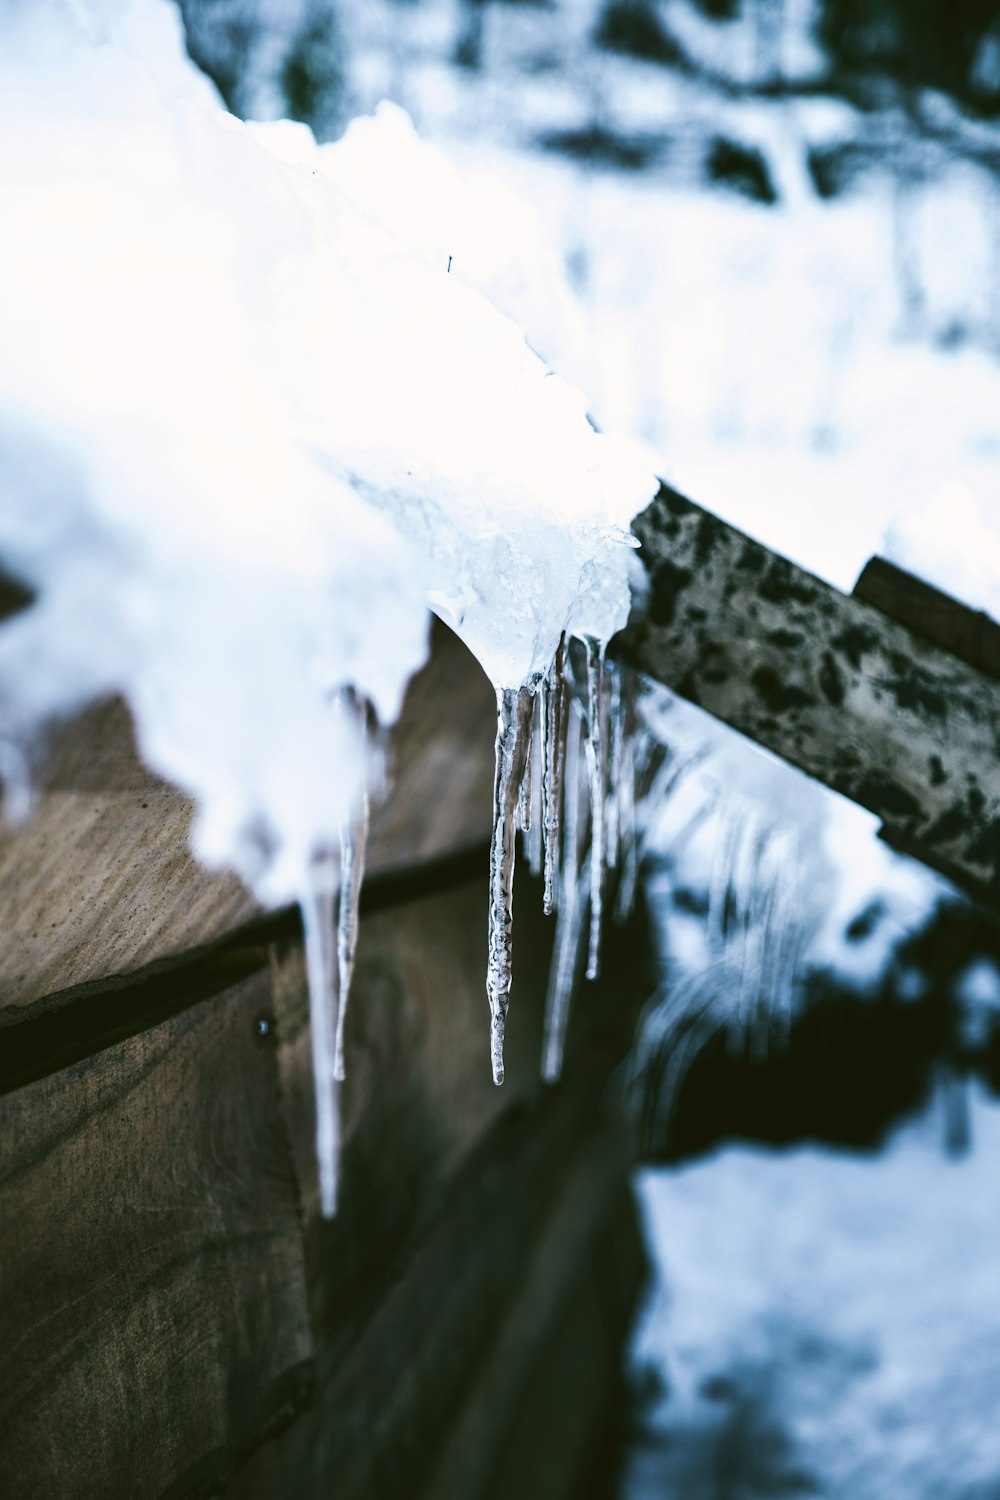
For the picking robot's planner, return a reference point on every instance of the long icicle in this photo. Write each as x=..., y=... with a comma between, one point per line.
x=572, y=906
x=353, y=849
x=553, y=742
x=594, y=745
x=514, y=708
x=524, y=804
x=322, y=971
x=534, y=770
x=617, y=731
x=627, y=836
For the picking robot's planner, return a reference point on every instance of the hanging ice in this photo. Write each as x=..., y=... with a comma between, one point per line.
x=595, y=775
x=514, y=714
x=219, y=382
x=317, y=903
x=617, y=735
x=553, y=720
x=534, y=840
x=353, y=847
x=572, y=908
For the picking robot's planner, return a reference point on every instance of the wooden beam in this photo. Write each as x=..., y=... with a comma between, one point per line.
x=99, y=884
x=154, y=1313
x=968, y=633
x=858, y=700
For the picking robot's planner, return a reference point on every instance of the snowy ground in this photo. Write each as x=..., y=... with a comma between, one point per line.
x=823, y=1324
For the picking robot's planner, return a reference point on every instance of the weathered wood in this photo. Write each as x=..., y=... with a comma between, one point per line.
x=99, y=880
x=153, y=1304
x=164, y=1271
x=100, y=883
x=826, y=681
x=536, y=1416
x=458, y=1199
x=418, y=1096
x=931, y=614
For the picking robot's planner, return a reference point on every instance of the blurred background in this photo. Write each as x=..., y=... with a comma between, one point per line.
x=766, y=239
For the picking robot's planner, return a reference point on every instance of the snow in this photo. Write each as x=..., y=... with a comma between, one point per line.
x=155, y=486
x=249, y=430
x=820, y=372
x=824, y=1324
x=250, y=384
x=246, y=375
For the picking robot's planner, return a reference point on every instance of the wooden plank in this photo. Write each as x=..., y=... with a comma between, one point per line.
x=826, y=681
x=443, y=1331
x=931, y=614
x=153, y=1269
x=418, y=1095
x=100, y=883
x=153, y=1304
x=168, y=1297
x=534, y=1419
x=450, y=1188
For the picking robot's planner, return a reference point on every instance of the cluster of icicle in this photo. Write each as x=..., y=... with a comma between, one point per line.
x=254, y=421
x=565, y=777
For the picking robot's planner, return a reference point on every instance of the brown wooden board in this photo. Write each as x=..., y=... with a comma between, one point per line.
x=535, y=1416
x=452, y=1190
x=418, y=1096
x=153, y=1305
x=852, y=697
x=99, y=883
x=168, y=1295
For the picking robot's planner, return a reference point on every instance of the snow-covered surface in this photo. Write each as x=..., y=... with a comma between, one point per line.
x=241, y=378
x=824, y=1324
x=819, y=371
x=822, y=372
x=249, y=431
x=259, y=401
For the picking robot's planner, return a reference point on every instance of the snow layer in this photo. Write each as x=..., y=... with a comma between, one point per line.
x=824, y=1324
x=187, y=549
x=215, y=375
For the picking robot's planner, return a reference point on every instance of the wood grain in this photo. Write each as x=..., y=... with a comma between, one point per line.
x=153, y=1307
x=100, y=884
x=458, y=1199
x=828, y=682
x=931, y=614
x=418, y=1096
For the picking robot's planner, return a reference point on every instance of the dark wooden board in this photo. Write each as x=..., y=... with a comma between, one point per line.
x=458, y=1200
x=418, y=1096
x=932, y=615
x=153, y=1303
x=854, y=698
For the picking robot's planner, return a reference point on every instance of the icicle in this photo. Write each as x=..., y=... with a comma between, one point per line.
x=625, y=801
x=317, y=904
x=524, y=796
x=595, y=771
x=572, y=906
x=514, y=709
x=353, y=847
x=534, y=838
x=617, y=733
x=553, y=745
